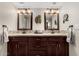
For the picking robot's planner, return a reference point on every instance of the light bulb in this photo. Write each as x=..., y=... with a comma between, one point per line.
x=52, y=11
x=18, y=11
x=57, y=11
x=23, y=11
x=47, y=11
x=29, y=11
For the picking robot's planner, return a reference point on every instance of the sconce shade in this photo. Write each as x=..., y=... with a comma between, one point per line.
x=53, y=11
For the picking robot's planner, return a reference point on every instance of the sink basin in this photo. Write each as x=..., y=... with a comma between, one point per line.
x=38, y=32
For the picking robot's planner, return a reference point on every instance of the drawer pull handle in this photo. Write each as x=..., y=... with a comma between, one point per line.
x=38, y=39
x=17, y=46
x=59, y=45
x=38, y=46
x=37, y=55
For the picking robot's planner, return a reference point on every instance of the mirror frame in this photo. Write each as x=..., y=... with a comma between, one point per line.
x=18, y=22
x=45, y=22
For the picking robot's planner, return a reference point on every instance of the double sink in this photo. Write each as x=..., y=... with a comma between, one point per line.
x=38, y=34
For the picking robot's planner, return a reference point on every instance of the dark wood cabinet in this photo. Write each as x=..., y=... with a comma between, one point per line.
x=12, y=48
x=17, y=46
x=53, y=49
x=37, y=46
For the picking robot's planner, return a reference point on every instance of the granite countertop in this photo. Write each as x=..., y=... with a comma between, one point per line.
x=33, y=34
x=61, y=33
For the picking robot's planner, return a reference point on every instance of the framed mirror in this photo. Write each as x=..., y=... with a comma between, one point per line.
x=51, y=21
x=24, y=20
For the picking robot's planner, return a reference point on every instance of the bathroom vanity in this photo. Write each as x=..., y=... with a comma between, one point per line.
x=37, y=45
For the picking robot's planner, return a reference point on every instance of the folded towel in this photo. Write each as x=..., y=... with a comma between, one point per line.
x=72, y=40
x=1, y=35
x=70, y=36
x=5, y=38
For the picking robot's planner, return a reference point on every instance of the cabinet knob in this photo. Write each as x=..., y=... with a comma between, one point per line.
x=59, y=45
x=38, y=39
x=37, y=55
x=38, y=46
x=17, y=46
x=13, y=37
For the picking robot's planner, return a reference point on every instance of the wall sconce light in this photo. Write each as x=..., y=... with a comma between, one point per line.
x=47, y=11
x=53, y=11
x=29, y=11
x=18, y=11
x=24, y=11
x=57, y=11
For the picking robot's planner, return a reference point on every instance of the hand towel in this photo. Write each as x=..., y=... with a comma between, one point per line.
x=0, y=35
x=71, y=36
x=68, y=35
x=4, y=37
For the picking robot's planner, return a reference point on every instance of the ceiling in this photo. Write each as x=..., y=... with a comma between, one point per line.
x=37, y=4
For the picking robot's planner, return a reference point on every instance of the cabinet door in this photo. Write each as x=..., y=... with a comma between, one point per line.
x=22, y=49
x=22, y=46
x=63, y=49
x=17, y=46
x=52, y=48
x=38, y=46
x=12, y=48
x=37, y=53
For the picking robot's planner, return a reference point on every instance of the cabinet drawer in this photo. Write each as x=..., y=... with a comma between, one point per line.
x=53, y=39
x=35, y=48
x=38, y=41
x=38, y=38
x=58, y=39
x=37, y=53
x=52, y=42
x=37, y=45
x=18, y=38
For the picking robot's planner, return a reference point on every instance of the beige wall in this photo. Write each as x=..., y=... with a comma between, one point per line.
x=73, y=10
x=8, y=16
